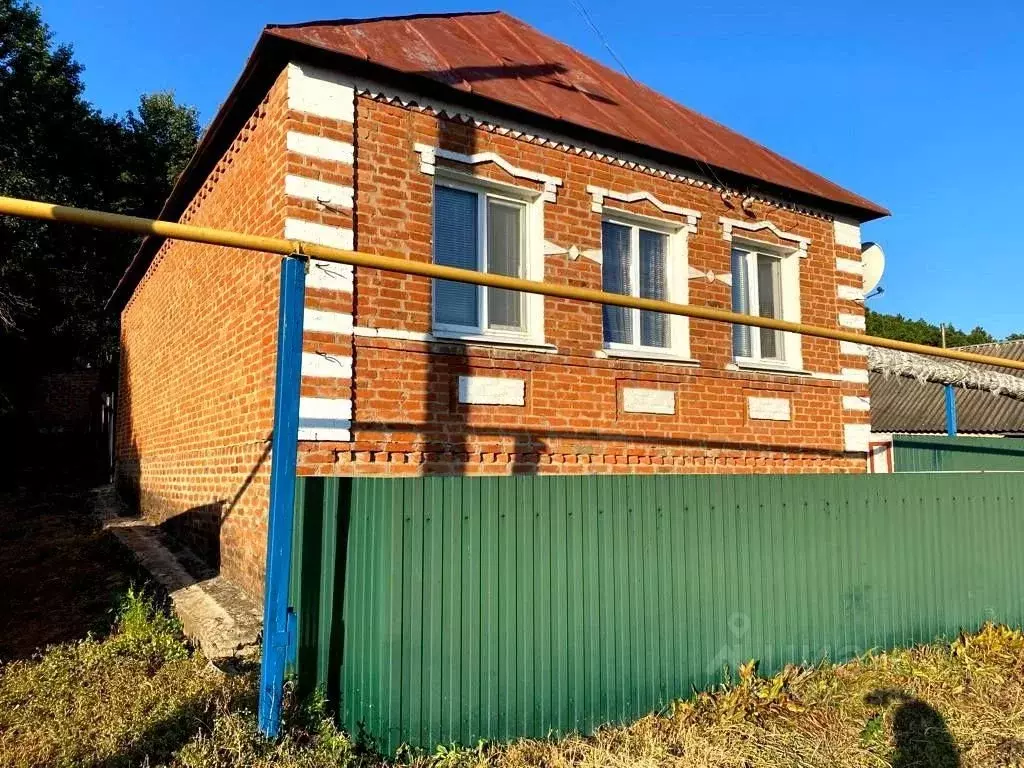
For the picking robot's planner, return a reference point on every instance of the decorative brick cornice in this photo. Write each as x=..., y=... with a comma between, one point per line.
x=484, y=123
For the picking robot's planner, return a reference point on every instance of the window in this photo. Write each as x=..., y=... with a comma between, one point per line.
x=638, y=261
x=764, y=283
x=489, y=232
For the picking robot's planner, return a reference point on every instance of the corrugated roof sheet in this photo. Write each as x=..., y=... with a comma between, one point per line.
x=498, y=57
x=900, y=404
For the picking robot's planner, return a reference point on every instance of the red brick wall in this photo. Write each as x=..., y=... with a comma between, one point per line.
x=199, y=334
x=197, y=368
x=407, y=418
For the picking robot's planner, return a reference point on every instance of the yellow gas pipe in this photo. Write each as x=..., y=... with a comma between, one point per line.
x=48, y=212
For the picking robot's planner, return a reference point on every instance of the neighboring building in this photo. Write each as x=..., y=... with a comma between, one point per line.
x=914, y=405
x=475, y=140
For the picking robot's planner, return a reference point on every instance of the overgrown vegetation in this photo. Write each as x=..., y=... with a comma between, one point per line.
x=143, y=697
x=55, y=146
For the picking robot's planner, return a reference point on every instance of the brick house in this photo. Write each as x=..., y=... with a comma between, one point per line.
x=475, y=140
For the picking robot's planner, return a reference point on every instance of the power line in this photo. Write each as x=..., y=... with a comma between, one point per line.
x=581, y=9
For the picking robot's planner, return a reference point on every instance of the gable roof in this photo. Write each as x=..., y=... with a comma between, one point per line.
x=495, y=63
x=498, y=57
x=901, y=404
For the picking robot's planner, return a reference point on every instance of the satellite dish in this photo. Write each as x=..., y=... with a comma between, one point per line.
x=873, y=258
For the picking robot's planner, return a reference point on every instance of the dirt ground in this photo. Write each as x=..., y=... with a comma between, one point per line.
x=62, y=575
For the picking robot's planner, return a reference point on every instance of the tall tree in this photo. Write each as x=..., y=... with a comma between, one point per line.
x=57, y=147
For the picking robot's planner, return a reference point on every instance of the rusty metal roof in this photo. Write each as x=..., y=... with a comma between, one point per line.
x=496, y=62
x=498, y=57
x=900, y=404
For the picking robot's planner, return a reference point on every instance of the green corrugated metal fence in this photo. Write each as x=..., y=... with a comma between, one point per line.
x=934, y=453
x=454, y=609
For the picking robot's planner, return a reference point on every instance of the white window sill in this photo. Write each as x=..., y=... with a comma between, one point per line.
x=761, y=367
x=506, y=342
x=650, y=356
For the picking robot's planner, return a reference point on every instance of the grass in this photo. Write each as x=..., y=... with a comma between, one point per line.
x=142, y=697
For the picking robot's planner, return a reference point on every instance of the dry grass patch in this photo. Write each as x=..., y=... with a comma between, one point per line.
x=143, y=697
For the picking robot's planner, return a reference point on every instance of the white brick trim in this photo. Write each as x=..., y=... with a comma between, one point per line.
x=329, y=276
x=321, y=148
x=641, y=400
x=491, y=390
x=856, y=403
x=852, y=348
x=392, y=333
x=318, y=234
x=322, y=321
x=855, y=375
x=768, y=408
x=325, y=418
x=319, y=365
x=428, y=161
x=856, y=438
x=852, y=321
x=728, y=225
x=847, y=233
x=325, y=193
x=320, y=92
x=849, y=293
x=850, y=266
x=598, y=194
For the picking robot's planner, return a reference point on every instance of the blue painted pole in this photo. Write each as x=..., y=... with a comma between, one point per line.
x=284, y=446
x=950, y=411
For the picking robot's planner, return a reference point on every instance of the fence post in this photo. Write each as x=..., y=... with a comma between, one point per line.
x=284, y=446
x=950, y=411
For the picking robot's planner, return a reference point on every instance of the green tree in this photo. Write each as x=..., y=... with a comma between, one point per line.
x=922, y=332
x=55, y=146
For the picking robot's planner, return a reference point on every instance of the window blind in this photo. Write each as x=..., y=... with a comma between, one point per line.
x=653, y=279
x=740, y=303
x=615, y=278
x=455, y=245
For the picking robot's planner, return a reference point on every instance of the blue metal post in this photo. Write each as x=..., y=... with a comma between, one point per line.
x=284, y=446
x=950, y=411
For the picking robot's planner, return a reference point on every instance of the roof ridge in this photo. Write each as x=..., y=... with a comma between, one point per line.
x=371, y=19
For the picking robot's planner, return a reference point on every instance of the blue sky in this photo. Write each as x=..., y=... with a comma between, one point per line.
x=916, y=105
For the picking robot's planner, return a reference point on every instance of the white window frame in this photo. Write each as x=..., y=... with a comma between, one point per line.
x=532, y=239
x=677, y=286
x=789, y=275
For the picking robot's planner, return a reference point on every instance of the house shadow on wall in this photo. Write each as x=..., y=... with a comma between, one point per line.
x=194, y=534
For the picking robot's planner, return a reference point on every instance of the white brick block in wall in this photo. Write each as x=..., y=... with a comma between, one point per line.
x=318, y=234
x=850, y=348
x=856, y=403
x=321, y=148
x=639, y=400
x=849, y=292
x=491, y=390
x=768, y=408
x=321, y=366
x=329, y=276
x=849, y=265
x=326, y=322
x=334, y=195
x=320, y=92
x=325, y=418
x=847, y=233
x=856, y=437
x=855, y=375
x=852, y=321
